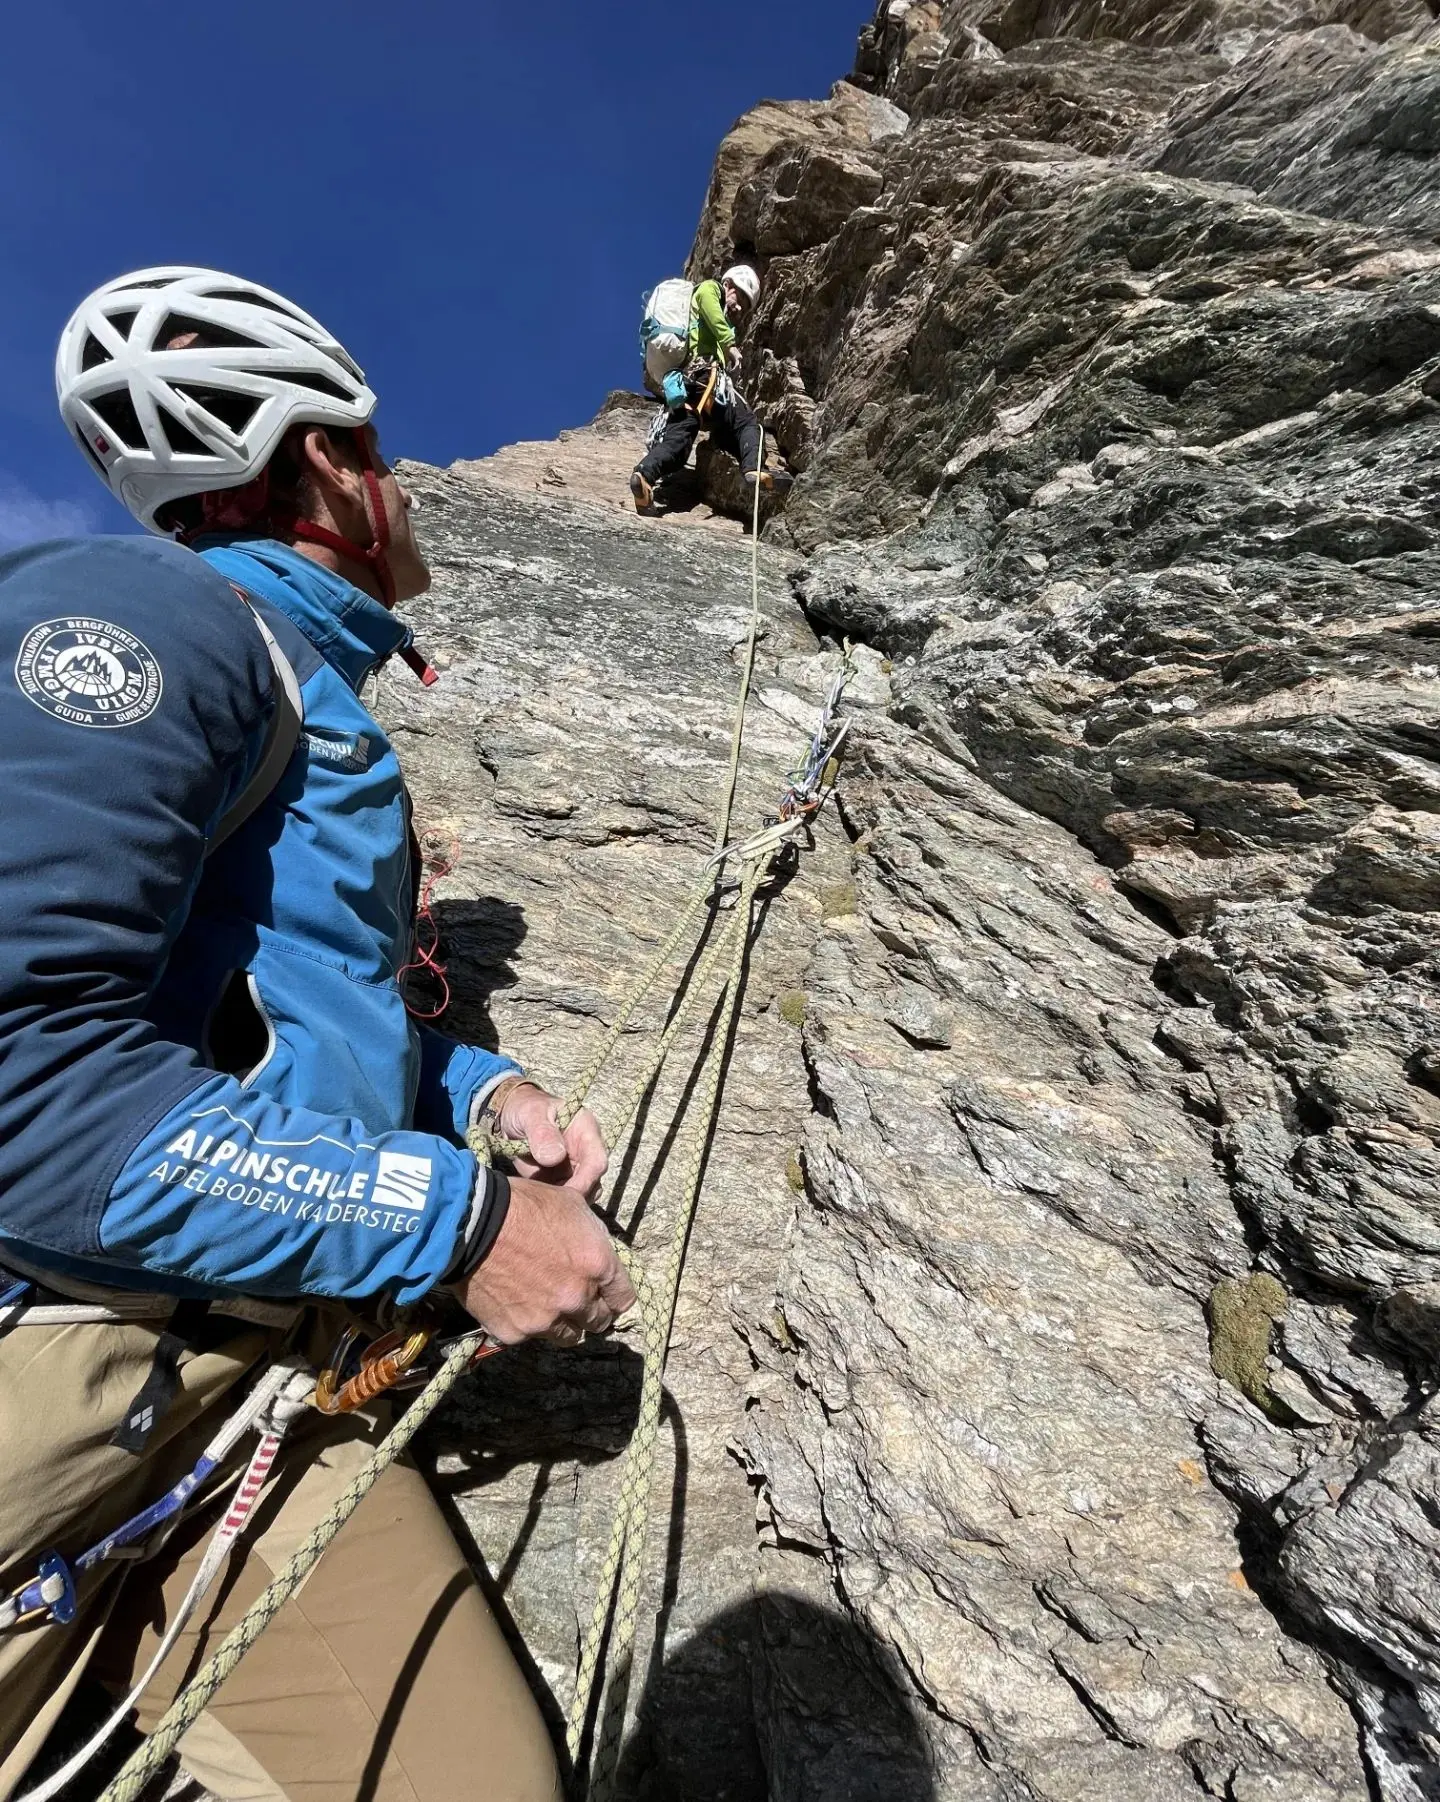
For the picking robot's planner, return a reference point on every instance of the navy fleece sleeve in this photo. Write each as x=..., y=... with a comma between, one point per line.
x=134, y=697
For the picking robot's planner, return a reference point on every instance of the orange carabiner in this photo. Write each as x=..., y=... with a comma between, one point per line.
x=382, y=1365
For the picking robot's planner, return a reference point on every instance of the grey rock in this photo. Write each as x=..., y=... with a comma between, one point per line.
x=1107, y=341
x=801, y=195
x=1117, y=405
x=1323, y=121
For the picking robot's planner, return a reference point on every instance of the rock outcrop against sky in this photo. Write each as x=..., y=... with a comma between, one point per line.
x=1052, y=1400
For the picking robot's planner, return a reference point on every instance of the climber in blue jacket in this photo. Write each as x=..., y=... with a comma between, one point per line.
x=210, y=1088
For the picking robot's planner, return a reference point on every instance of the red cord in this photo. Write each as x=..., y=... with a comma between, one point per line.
x=438, y=864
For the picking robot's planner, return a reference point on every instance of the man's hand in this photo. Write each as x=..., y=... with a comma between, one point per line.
x=552, y=1273
x=733, y=357
x=575, y=1159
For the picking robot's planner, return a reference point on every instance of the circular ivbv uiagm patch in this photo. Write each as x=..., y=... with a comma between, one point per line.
x=89, y=673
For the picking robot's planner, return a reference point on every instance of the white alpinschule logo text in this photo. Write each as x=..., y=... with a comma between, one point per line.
x=88, y=672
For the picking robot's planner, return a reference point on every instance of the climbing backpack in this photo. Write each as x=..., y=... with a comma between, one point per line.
x=665, y=328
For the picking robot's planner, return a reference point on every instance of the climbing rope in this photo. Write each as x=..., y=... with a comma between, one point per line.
x=621, y=1574
x=737, y=736
x=611, y=1628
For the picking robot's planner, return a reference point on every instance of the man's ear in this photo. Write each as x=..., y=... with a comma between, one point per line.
x=333, y=475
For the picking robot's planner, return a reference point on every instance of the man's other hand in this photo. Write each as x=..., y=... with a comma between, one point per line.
x=552, y=1273
x=575, y=1159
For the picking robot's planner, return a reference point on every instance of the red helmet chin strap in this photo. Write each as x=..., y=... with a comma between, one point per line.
x=375, y=555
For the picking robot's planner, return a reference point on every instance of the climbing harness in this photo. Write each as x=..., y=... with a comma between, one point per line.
x=353, y=1377
x=17, y=1311
x=270, y=1409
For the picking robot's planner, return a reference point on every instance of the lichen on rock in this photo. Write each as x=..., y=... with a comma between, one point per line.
x=1243, y=1316
x=791, y=1007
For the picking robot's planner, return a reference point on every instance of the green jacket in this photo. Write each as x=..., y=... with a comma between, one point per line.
x=711, y=333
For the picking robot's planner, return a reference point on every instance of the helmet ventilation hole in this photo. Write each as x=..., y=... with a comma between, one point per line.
x=207, y=335
x=254, y=300
x=225, y=404
x=308, y=379
x=118, y=412
x=180, y=438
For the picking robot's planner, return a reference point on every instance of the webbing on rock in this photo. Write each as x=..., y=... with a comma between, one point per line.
x=611, y=1628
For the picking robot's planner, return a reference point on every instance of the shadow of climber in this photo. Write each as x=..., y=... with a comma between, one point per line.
x=776, y=1698
x=476, y=941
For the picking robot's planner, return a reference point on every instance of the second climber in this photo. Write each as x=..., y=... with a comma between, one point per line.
x=698, y=389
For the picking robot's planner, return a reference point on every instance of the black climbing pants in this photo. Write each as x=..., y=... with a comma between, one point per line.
x=733, y=428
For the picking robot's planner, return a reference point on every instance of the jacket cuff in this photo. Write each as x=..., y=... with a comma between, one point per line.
x=453, y=1078
x=511, y=1073
x=488, y=1213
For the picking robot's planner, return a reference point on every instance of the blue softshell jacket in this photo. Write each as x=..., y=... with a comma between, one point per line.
x=208, y=1080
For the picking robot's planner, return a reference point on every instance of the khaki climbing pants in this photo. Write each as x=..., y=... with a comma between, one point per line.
x=385, y=1679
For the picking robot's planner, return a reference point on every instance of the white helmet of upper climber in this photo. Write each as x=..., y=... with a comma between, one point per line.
x=181, y=381
x=744, y=280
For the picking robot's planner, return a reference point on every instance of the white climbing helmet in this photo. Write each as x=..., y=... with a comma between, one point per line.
x=161, y=421
x=743, y=278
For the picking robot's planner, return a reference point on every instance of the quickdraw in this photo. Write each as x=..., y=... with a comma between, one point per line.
x=349, y=1381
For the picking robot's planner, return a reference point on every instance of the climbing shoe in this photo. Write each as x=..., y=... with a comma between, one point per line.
x=777, y=481
x=644, y=494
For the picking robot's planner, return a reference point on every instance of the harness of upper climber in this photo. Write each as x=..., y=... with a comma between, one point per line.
x=358, y=1372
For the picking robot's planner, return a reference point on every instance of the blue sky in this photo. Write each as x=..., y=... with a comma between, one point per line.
x=473, y=197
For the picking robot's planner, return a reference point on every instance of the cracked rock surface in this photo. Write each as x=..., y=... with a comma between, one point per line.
x=1052, y=1402
x=1118, y=410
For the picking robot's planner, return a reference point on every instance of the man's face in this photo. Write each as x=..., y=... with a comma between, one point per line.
x=734, y=300
x=408, y=567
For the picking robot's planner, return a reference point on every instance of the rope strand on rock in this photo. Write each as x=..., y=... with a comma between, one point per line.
x=622, y=1571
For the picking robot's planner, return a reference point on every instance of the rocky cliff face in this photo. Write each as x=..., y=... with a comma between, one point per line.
x=1053, y=1396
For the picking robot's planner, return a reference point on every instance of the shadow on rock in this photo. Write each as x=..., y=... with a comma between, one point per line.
x=476, y=941
x=777, y=1698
